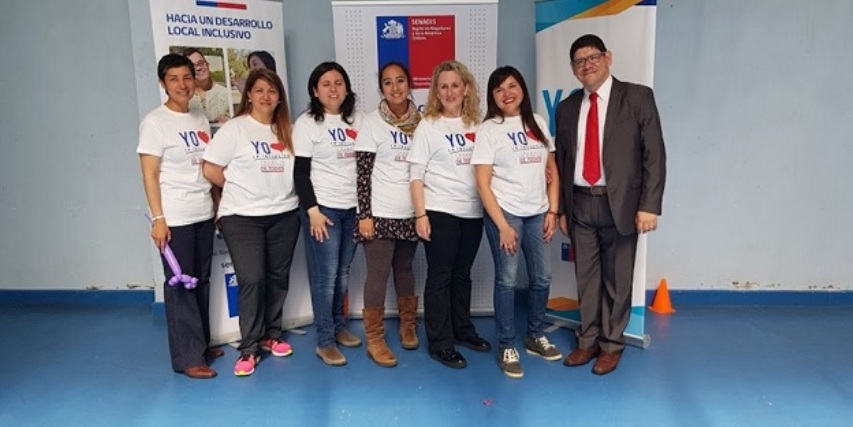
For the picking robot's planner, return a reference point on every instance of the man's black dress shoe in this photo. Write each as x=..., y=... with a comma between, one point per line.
x=450, y=358
x=475, y=343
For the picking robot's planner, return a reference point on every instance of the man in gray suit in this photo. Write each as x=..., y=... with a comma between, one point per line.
x=612, y=163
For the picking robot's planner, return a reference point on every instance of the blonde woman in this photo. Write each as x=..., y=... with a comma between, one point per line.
x=448, y=213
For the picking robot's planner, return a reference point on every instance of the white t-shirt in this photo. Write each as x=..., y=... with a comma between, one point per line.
x=179, y=140
x=258, y=169
x=330, y=145
x=390, y=196
x=214, y=104
x=444, y=146
x=518, y=163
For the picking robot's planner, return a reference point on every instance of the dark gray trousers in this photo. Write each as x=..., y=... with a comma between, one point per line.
x=604, y=265
x=261, y=249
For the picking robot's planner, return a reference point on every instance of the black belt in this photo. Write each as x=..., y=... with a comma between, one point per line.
x=592, y=191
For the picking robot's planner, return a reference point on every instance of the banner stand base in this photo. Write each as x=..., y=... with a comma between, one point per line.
x=642, y=342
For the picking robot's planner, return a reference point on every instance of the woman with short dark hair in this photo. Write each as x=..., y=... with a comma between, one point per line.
x=172, y=140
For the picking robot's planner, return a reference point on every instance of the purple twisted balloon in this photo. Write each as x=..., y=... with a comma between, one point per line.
x=178, y=275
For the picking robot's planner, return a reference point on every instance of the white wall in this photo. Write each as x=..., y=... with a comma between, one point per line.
x=756, y=108
x=746, y=90
x=71, y=199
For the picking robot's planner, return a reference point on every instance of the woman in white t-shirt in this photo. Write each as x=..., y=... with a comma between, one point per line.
x=386, y=218
x=251, y=158
x=512, y=154
x=325, y=175
x=171, y=143
x=448, y=213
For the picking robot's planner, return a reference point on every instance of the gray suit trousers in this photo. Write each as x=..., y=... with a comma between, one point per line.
x=604, y=265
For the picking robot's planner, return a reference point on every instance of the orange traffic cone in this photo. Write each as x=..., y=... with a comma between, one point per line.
x=662, y=304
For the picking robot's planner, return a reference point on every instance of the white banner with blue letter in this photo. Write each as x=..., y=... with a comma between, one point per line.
x=628, y=29
x=225, y=41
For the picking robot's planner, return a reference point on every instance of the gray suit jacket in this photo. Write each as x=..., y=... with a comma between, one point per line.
x=634, y=157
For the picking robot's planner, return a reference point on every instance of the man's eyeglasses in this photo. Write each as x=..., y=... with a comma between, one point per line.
x=593, y=59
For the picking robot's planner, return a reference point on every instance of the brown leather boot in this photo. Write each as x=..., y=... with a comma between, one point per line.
x=408, y=308
x=374, y=331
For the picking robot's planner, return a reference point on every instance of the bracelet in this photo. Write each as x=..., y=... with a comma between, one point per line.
x=156, y=218
x=553, y=213
x=420, y=216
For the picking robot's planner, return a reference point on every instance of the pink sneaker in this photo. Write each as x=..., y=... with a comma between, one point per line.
x=277, y=347
x=245, y=365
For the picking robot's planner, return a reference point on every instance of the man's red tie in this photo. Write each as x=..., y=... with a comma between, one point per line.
x=591, y=157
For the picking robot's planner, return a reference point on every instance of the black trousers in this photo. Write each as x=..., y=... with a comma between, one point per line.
x=188, y=310
x=261, y=249
x=447, y=293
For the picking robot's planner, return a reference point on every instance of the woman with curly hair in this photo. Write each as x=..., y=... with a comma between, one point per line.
x=448, y=213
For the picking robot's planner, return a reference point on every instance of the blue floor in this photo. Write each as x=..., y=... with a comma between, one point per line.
x=107, y=365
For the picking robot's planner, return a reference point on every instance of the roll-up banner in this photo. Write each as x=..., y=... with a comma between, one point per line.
x=420, y=34
x=225, y=40
x=628, y=30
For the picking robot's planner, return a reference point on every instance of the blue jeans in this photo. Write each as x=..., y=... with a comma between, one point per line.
x=328, y=271
x=529, y=232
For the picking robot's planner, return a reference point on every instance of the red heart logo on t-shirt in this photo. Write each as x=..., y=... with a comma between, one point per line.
x=278, y=146
x=471, y=136
x=531, y=135
x=202, y=135
x=351, y=133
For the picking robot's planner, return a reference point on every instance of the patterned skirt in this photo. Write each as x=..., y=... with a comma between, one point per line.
x=390, y=228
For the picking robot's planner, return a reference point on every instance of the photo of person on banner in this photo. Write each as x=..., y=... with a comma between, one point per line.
x=243, y=61
x=211, y=96
x=612, y=166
